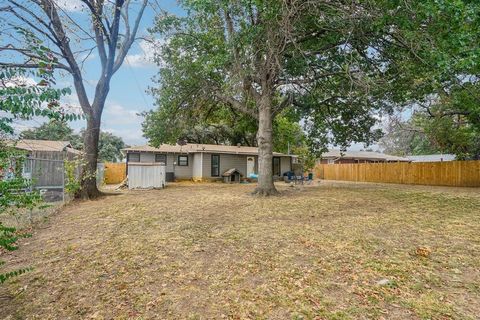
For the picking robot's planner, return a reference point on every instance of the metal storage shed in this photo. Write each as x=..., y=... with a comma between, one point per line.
x=146, y=175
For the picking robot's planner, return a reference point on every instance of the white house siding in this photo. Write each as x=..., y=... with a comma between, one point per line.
x=183, y=172
x=201, y=168
x=227, y=161
x=197, y=166
x=170, y=159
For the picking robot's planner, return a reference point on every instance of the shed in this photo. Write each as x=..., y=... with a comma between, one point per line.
x=232, y=176
x=146, y=175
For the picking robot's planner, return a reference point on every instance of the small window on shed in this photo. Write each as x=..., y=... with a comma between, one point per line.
x=331, y=161
x=183, y=161
x=133, y=157
x=161, y=158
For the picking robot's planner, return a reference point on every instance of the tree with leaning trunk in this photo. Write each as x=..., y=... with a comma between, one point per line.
x=259, y=57
x=111, y=32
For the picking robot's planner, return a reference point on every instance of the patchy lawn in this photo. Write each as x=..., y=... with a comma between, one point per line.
x=210, y=251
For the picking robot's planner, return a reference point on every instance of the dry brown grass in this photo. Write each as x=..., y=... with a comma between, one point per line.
x=212, y=251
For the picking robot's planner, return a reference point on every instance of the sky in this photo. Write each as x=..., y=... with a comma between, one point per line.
x=128, y=96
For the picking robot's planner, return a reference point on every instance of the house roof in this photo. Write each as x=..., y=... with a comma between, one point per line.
x=361, y=155
x=45, y=145
x=432, y=157
x=194, y=148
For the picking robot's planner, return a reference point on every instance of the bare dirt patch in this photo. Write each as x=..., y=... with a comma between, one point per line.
x=210, y=251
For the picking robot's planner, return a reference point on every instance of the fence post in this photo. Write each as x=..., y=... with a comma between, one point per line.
x=63, y=182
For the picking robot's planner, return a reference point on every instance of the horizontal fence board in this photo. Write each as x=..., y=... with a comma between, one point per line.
x=115, y=172
x=447, y=173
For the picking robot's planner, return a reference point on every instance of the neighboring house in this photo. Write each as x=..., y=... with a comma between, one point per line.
x=206, y=161
x=336, y=156
x=432, y=158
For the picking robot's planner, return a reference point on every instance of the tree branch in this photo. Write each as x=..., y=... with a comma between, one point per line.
x=236, y=104
x=50, y=10
x=127, y=43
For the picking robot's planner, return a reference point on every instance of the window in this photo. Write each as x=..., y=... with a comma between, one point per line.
x=331, y=161
x=182, y=161
x=215, y=165
x=276, y=166
x=133, y=157
x=161, y=158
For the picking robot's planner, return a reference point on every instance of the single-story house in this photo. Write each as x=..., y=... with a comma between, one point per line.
x=206, y=161
x=432, y=157
x=337, y=156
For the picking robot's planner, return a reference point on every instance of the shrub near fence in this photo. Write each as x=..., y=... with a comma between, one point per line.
x=115, y=172
x=448, y=173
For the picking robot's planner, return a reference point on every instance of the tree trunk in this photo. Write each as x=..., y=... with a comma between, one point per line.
x=89, y=182
x=265, y=185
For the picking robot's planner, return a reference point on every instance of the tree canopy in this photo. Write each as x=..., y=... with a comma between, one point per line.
x=109, y=147
x=438, y=80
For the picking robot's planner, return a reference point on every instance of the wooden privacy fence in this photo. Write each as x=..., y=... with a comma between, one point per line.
x=447, y=173
x=115, y=172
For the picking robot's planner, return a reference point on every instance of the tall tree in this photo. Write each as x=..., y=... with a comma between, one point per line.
x=260, y=57
x=430, y=133
x=405, y=137
x=439, y=77
x=114, y=31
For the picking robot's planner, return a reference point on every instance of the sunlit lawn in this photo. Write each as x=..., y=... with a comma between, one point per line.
x=209, y=251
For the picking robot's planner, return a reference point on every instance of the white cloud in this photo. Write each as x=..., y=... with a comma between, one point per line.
x=116, y=114
x=145, y=58
x=123, y=122
x=131, y=136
